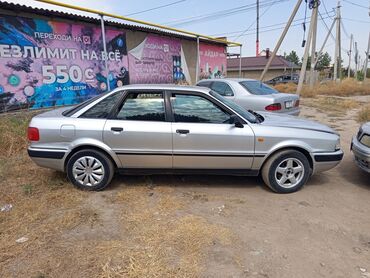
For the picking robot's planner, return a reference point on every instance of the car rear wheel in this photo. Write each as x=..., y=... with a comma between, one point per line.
x=90, y=170
x=286, y=171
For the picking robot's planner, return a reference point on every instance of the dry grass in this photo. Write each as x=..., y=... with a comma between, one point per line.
x=334, y=105
x=70, y=234
x=348, y=87
x=364, y=114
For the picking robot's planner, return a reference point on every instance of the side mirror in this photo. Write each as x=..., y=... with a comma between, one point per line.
x=234, y=119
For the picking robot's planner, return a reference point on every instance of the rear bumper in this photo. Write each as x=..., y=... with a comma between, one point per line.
x=291, y=112
x=361, y=154
x=48, y=158
x=326, y=161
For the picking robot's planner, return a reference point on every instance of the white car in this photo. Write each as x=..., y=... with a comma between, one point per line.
x=254, y=95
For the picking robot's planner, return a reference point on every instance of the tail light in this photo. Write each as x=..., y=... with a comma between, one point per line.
x=296, y=103
x=273, y=107
x=33, y=134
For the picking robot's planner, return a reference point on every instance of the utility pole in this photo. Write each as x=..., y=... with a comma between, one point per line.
x=337, y=56
x=302, y=74
x=313, y=49
x=324, y=43
x=276, y=49
x=356, y=60
x=350, y=56
x=367, y=59
x=258, y=29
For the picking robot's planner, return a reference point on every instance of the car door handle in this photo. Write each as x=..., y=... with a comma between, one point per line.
x=182, y=131
x=116, y=129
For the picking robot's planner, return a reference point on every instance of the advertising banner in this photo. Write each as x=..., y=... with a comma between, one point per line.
x=212, y=60
x=49, y=63
x=157, y=60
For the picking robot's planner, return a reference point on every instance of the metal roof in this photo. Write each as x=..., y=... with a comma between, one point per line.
x=258, y=63
x=32, y=11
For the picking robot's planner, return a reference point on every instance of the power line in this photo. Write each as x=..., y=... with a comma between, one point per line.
x=156, y=8
x=356, y=20
x=218, y=14
x=265, y=11
x=355, y=4
x=273, y=29
x=326, y=10
x=263, y=27
x=344, y=30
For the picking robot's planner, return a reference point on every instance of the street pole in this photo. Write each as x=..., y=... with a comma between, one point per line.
x=302, y=73
x=105, y=50
x=350, y=56
x=337, y=55
x=258, y=29
x=367, y=59
x=356, y=60
x=240, y=62
x=277, y=47
x=313, y=45
x=323, y=45
x=198, y=61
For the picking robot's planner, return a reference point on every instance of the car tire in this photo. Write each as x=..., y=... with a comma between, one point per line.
x=90, y=170
x=286, y=171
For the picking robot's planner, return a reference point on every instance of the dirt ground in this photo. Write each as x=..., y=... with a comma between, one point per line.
x=195, y=226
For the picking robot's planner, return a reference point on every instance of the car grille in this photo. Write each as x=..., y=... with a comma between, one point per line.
x=363, y=163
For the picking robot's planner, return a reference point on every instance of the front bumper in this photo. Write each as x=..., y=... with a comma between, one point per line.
x=326, y=161
x=361, y=154
x=48, y=158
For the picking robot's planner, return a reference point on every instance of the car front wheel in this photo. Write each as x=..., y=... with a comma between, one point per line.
x=286, y=171
x=90, y=170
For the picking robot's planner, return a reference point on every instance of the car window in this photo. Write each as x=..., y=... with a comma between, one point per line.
x=142, y=106
x=222, y=88
x=258, y=88
x=102, y=109
x=197, y=109
x=205, y=84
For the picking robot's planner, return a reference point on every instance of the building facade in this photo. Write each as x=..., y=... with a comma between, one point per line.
x=50, y=58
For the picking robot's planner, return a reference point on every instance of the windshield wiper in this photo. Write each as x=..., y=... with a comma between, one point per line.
x=259, y=117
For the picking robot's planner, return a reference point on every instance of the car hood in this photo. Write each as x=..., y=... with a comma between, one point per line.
x=279, y=120
x=366, y=127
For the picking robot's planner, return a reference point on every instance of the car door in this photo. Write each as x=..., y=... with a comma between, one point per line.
x=203, y=138
x=223, y=89
x=139, y=133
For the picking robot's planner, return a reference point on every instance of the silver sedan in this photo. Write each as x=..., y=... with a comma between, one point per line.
x=254, y=95
x=177, y=129
x=360, y=147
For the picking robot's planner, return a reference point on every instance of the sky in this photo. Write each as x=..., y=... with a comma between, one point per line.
x=236, y=19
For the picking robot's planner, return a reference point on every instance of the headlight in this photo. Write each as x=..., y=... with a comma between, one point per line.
x=365, y=140
x=337, y=145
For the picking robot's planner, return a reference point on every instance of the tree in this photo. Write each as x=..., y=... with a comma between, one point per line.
x=293, y=57
x=323, y=62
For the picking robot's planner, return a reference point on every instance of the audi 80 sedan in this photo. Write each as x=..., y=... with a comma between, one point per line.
x=178, y=129
x=254, y=95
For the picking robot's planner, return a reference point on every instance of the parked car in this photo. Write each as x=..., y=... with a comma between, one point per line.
x=283, y=79
x=178, y=129
x=360, y=147
x=254, y=95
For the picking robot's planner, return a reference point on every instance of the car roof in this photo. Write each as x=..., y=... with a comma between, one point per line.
x=169, y=87
x=227, y=79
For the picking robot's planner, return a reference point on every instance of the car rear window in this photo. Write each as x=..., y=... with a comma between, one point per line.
x=78, y=107
x=256, y=87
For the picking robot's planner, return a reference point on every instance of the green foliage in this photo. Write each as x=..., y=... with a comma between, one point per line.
x=293, y=57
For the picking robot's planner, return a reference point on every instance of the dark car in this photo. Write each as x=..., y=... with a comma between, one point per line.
x=283, y=79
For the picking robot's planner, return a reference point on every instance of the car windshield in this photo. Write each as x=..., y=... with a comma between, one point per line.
x=256, y=87
x=238, y=109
